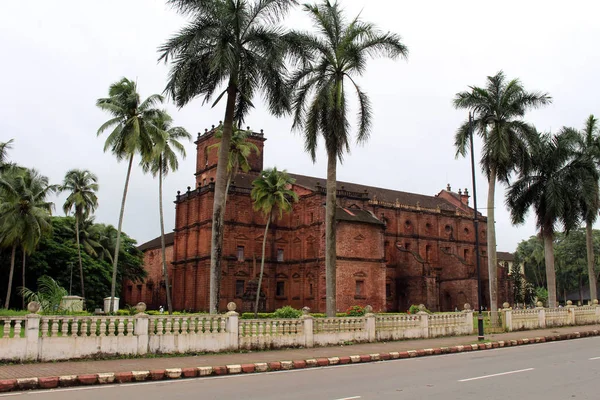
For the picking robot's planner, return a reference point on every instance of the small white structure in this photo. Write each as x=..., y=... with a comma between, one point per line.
x=107, y=305
x=72, y=303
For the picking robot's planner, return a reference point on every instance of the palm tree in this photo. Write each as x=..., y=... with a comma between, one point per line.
x=238, y=44
x=271, y=192
x=164, y=159
x=133, y=132
x=4, y=147
x=498, y=110
x=24, y=215
x=551, y=185
x=82, y=185
x=341, y=51
x=588, y=143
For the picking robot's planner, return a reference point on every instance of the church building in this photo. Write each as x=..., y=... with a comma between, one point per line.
x=394, y=248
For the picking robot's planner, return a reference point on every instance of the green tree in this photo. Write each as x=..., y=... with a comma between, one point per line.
x=133, y=132
x=588, y=141
x=341, y=51
x=530, y=253
x=240, y=45
x=498, y=110
x=270, y=193
x=4, y=147
x=82, y=186
x=164, y=159
x=551, y=185
x=24, y=215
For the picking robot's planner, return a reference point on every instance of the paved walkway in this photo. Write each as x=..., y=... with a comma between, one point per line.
x=124, y=365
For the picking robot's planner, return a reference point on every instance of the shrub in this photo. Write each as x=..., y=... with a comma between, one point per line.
x=355, y=311
x=415, y=309
x=287, y=312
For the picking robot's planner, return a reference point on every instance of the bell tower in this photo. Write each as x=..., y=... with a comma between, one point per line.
x=207, y=155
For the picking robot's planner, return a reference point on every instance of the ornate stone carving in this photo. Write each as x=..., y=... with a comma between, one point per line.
x=33, y=307
x=231, y=306
x=140, y=307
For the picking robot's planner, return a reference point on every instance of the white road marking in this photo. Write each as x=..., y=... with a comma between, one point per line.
x=594, y=358
x=494, y=375
x=350, y=398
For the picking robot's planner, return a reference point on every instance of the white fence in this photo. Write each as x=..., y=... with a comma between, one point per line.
x=48, y=338
x=516, y=320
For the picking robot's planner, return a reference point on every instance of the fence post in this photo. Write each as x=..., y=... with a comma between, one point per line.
x=32, y=332
x=140, y=329
x=571, y=310
x=424, y=323
x=541, y=314
x=507, y=320
x=233, y=327
x=595, y=304
x=370, y=324
x=469, y=325
x=307, y=328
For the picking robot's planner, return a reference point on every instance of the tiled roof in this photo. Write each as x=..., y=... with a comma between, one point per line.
x=356, y=215
x=155, y=243
x=505, y=256
x=382, y=194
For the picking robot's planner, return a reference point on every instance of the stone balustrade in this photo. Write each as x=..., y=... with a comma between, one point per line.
x=540, y=317
x=46, y=338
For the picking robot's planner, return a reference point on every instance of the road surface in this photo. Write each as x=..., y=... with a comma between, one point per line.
x=556, y=370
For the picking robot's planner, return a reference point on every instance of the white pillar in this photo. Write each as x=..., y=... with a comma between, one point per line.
x=541, y=316
x=507, y=320
x=32, y=337
x=232, y=326
x=140, y=331
x=424, y=324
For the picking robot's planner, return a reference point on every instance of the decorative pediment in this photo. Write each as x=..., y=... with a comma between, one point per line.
x=241, y=273
x=296, y=275
x=281, y=276
x=310, y=275
x=310, y=239
x=359, y=237
x=242, y=237
x=297, y=240
x=281, y=240
x=259, y=238
x=360, y=274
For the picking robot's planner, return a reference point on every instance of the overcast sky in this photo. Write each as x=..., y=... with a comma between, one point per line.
x=60, y=56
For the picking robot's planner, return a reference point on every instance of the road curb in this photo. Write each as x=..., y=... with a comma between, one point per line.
x=51, y=382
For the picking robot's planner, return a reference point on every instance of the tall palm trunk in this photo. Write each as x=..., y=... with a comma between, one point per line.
x=262, y=267
x=162, y=238
x=491, y=245
x=79, y=255
x=216, y=250
x=550, y=272
x=113, y=286
x=23, y=278
x=10, y=276
x=590, y=261
x=330, y=236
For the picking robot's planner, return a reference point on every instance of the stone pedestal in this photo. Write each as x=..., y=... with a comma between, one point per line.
x=72, y=303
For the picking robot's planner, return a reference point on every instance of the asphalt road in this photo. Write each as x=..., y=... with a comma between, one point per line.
x=557, y=370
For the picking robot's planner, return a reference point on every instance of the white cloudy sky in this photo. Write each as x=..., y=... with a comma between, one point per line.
x=60, y=56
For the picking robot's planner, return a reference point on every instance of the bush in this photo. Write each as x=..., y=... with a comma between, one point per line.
x=287, y=312
x=414, y=309
x=355, y=311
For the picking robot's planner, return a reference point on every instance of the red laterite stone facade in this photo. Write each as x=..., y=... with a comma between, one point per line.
x=394, y=248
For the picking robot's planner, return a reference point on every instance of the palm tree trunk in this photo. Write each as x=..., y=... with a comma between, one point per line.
x=550, y=272
x=10, y=276
x=162, y=238
x=491, y=245
x=216, y=250
x=23, y=278
x=113, y=286
x=79, y=255
x=330, y=236
x=262, y=267
x=590, y=261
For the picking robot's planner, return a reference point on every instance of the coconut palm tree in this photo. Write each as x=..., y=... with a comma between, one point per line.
x=82, y=186
x=4, y=147
x=588, y=143
x=498, y=110
x=552, y=185
x=24, y=215
x=236, y=46
x=271, y=192
x=164, y=159
x=341, y=50
x=133, y=132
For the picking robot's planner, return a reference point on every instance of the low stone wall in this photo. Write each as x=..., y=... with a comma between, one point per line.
x=49, y=338
x=539, y=317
